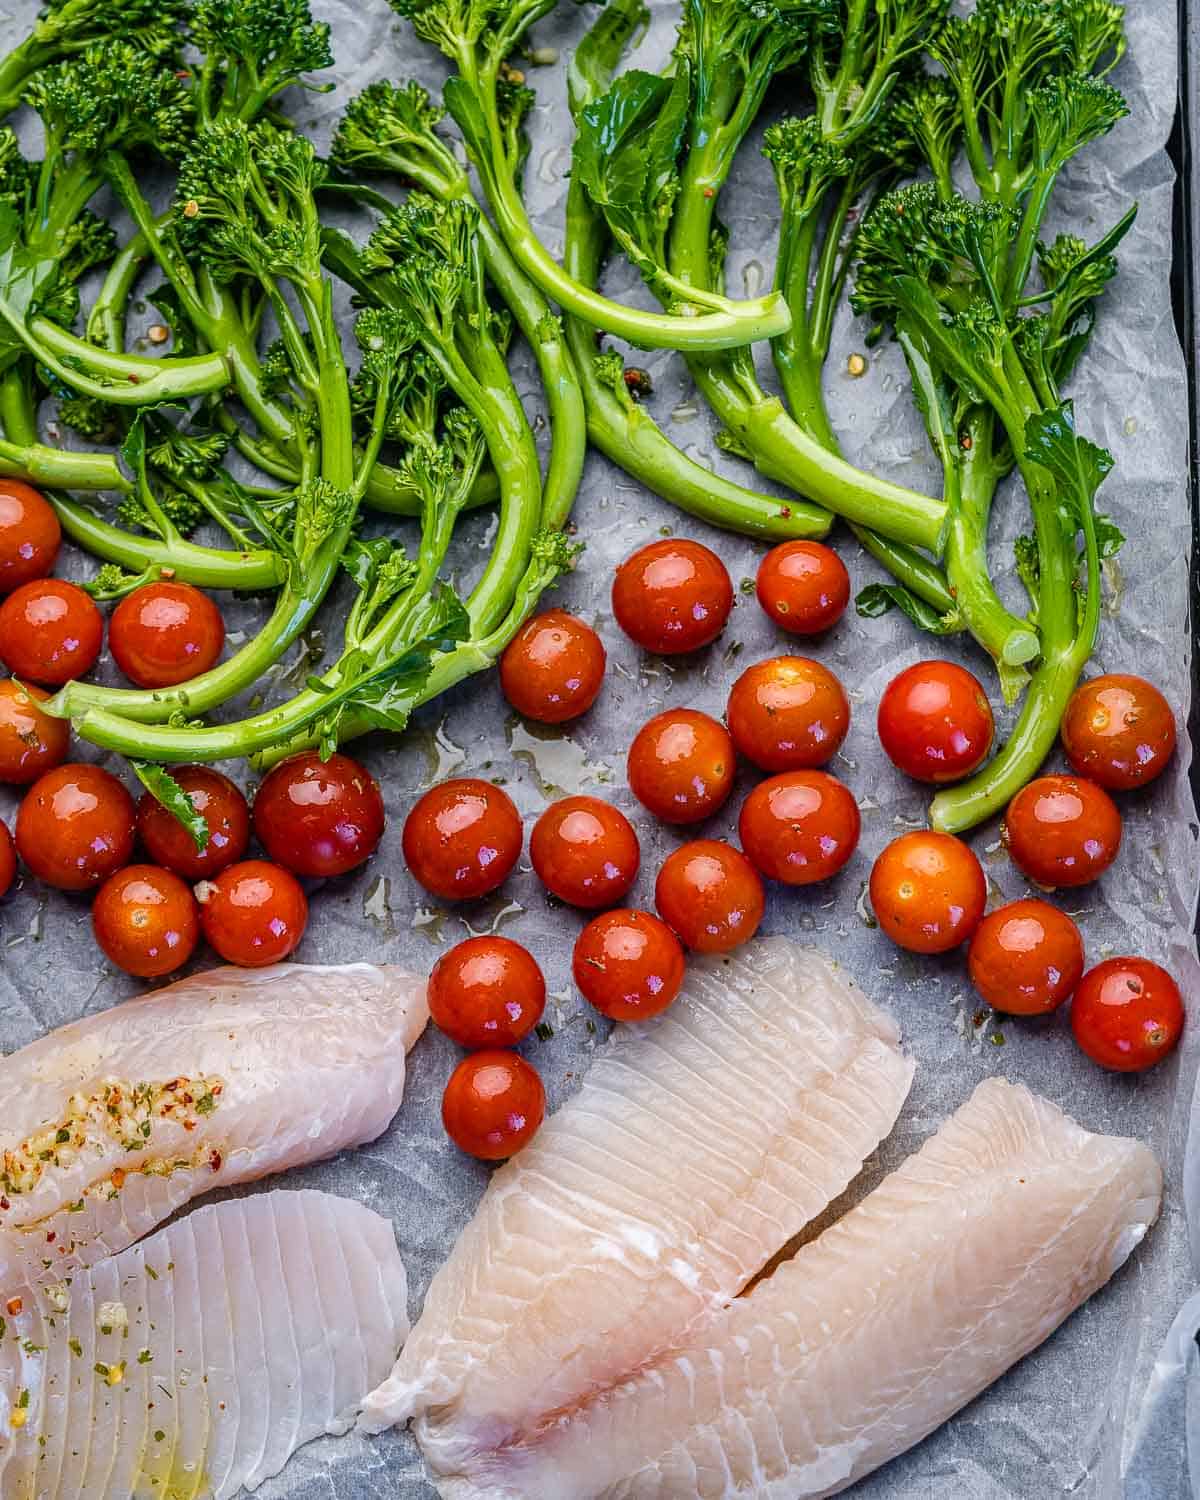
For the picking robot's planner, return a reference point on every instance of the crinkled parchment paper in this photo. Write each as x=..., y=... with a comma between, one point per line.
x=1100, y=1410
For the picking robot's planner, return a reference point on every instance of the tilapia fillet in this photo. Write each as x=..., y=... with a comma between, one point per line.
x=110, y=1124
x=196, y=1363
x=695, y=1148
x=872, y=1335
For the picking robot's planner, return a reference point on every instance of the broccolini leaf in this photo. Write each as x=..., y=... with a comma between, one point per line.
x=1078, y=465
x=878, y=598
x=163, y=787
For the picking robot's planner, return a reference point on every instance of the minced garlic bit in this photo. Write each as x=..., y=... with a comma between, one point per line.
x=18, y=1417
x=13, y=1307
x=58, y=1296
x=111, y=1374
x=856, y=365
x=158, y=333
x=112, y=1317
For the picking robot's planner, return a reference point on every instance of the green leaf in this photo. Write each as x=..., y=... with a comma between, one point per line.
x=163, y=787
x=1109, y=537
x=592, y=64
x=1078, y=466
x=878, y=598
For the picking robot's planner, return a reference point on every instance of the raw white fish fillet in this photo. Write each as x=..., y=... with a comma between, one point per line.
x=110, y=1124
x=872, y=1335
x=196, y=1363
x=696, y=1147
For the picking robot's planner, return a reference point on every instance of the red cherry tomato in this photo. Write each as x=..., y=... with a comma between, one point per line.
x=487, y=992
x=146, y=921
x=799, y=827
x=628, y=964
x=223, y=808
x=75, y=827
x=935, y=722
x=253, y=913
x=672, y=596
x=319, y=817
x=31, y=742
x=1119, y=730
x=585, y=851
x=1062, y=830
x=928, y=892
x=803, y=586
x=1127, y=1014
x=165, y=633
x=50, y=632
x=681, y=766
x=711, y=895
x=8, y=860
x=29, y=535
x=788, y=714
x=462, y=839
x=553, y=668
x=1025, y=958
x=493, y=1105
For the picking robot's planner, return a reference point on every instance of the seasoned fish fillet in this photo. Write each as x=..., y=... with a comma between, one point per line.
x=959, y=1264
x=197, y=1362
x=695, y=1148
x=110, y=1124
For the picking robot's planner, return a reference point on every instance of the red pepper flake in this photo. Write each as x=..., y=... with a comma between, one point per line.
x=709, y=193
x=214, y=1161
x=51, y=1237
x=189, y=1124
x=118, y=1178
x=13, y=1307
x=4, y=1203
x=785, y=511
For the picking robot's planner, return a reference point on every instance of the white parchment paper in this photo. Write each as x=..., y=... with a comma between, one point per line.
x=1100, y=1411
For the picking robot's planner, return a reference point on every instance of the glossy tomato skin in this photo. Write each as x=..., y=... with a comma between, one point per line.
x=75, y=827
x=928, y=892
x=30, y=535
x=165, y=633
x=493, y=1105
x=799, y=827
x=710, y=894
x=628, y=964
x=487, y=992
x=1025, y=958
x=462, y=839
x=788, y=714
x=1062, y=830
x=319, y=817
x=1127, y=1014
x=222, y=806
x=1119, y=731
x=553, y=668
x=8, y=860
x=935, y=722
x=50, y=632
x=672, y=596
x=803, y=586
x=253, y=913
x=681, y=766
x=585, y=852
x=31, y=742
x=146, y=921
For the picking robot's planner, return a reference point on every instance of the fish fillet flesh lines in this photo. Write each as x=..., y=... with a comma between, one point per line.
x=872, y=1335
x=195, y=1363
x=696, y=1147
x=110, y=1124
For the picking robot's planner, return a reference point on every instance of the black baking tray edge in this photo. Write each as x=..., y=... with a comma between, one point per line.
x=1184, y=272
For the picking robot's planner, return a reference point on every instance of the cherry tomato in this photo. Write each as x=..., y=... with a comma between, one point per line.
x=788, y=714
x=75, y=827
x=711, y=895
x=493, y=1105
x=487, y=992
x=803, y=586
x=928, y=892
x=31, y=742
x=1025, y=958
x=681, y=765
x=165, y=633
x=319, y=817
x=146, y=921
x=935, y=722
x=8, y=860
x=1119, y=730
x=553, y=668
x=585, y=851
x=50, y=632
x=253, y=913
x=1127, y=1014
x=29, y=535
x=462, y=839
x=223, y=808
x=1062, y=830
x=672, y=596
x=628, y=964
x=799, y=827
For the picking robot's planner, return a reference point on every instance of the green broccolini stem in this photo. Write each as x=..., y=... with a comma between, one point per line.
x=60, y=467
x=124, y=379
